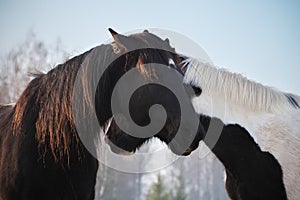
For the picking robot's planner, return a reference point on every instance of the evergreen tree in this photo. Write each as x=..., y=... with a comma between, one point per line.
x=158, y=191
x=180, y=189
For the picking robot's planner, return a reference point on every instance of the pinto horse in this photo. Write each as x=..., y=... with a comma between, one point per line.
x=41, y=153
x=272, y=117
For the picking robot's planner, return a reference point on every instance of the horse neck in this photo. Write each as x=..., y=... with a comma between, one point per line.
x=234, y=144
x=217, y=105
x=231, y=113
x=104, y=92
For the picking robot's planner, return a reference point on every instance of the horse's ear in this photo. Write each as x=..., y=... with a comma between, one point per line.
x=121, y=40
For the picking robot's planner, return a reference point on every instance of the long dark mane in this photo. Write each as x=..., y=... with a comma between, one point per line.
x=46, y=103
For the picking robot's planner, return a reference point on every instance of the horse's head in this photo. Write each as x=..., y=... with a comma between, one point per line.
x=131, y=52
x=125, y=144
x=145, y=51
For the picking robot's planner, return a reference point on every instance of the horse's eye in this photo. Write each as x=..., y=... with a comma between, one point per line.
x=172, y=63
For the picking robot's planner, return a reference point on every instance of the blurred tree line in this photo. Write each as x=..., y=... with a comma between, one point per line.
x=31, y=56
x=158, y=190
x=189, y=178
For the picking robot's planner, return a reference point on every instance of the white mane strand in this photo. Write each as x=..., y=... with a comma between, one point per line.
x=236, y=88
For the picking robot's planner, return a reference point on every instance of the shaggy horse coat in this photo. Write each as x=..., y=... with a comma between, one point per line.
x=41, y=154
x=271, y=117
x=30, y=168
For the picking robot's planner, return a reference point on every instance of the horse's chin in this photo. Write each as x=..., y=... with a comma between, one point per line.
x=187, y=152
x=121, y=152
x=116, y=149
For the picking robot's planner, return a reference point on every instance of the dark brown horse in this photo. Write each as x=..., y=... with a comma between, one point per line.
x=41, y=153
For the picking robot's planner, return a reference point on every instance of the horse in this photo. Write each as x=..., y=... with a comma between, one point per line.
x=250, y=172
x=42, y=155
x=272, y=117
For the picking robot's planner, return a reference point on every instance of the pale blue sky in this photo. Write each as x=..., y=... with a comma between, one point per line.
x=260, y=39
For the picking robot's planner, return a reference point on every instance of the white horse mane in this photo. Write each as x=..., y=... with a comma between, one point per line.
x=237, y=88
